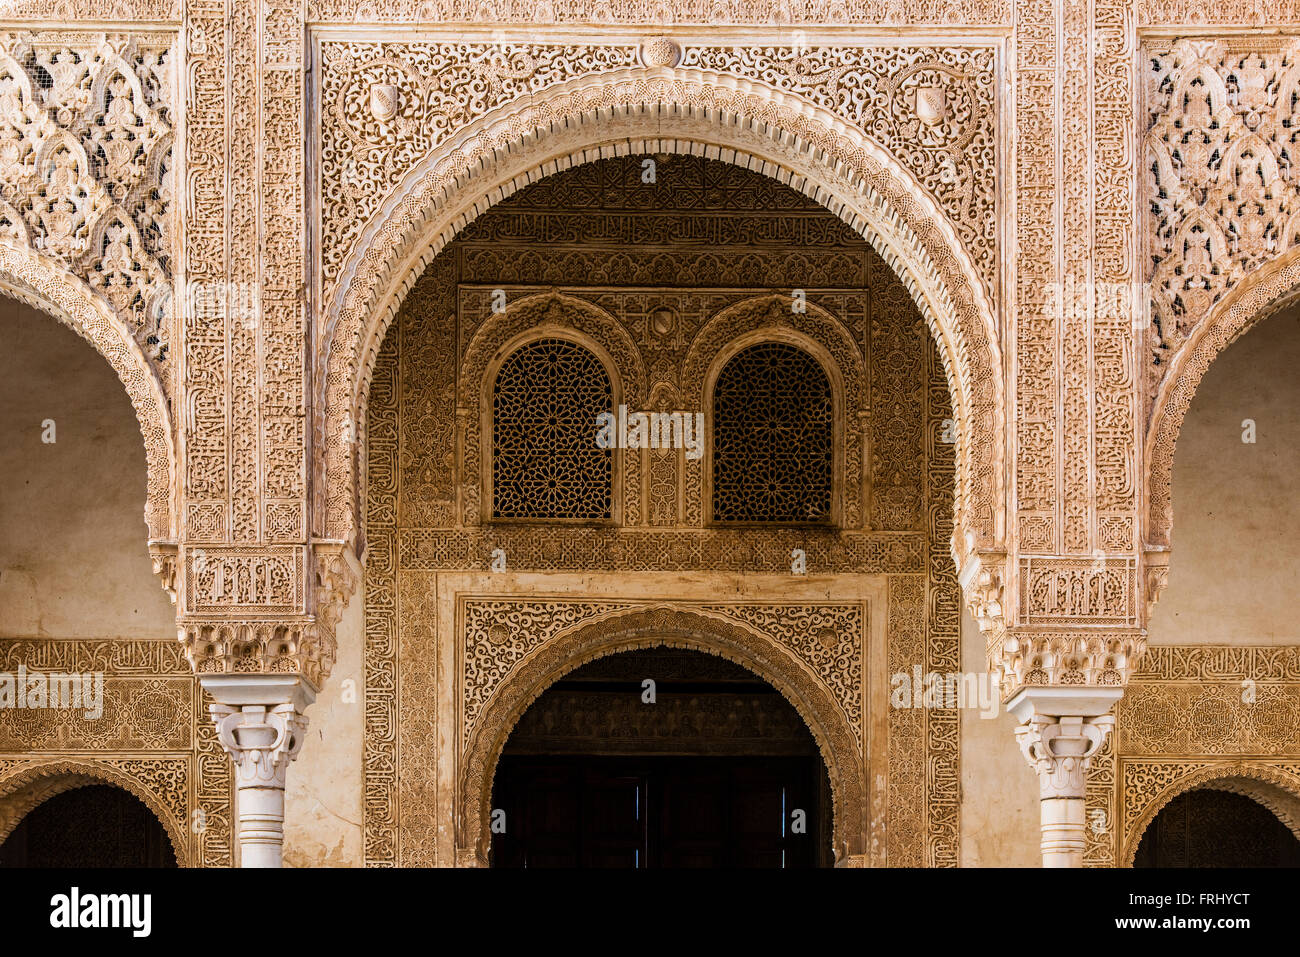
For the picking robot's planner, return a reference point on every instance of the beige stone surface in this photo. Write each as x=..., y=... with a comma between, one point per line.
x=323, y=794
x=999, y=806
x=1237, y=528
x=73, y=555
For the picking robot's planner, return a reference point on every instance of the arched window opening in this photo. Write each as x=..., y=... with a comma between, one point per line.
x=773, y=447
x=1209, y=828
x=546, y=463
x=98, y=825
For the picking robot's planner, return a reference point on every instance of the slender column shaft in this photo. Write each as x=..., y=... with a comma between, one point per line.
x=261, y=725
x=1060, y=750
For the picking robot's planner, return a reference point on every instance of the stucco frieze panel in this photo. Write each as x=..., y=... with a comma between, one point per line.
x=1225, y=717
x=662, y=13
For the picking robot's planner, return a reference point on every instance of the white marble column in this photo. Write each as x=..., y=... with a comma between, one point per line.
x=1061, y=728
x=260, y=723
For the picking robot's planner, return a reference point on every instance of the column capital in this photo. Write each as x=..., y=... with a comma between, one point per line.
x=1061, y=749
x=1061, y=729
x=261, y=725
x=260, y=722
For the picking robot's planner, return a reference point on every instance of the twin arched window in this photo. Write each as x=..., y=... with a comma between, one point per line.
x=772, y=440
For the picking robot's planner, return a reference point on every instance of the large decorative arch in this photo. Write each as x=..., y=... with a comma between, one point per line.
x=663, y=109
x=1275, y=788
x=44, y=284
x=24, y=791
x=1264, y=293
x=648, y=628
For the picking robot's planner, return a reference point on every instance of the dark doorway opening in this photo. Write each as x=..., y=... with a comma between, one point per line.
x=94, y=826
x=1206, y=828
x=661, y=758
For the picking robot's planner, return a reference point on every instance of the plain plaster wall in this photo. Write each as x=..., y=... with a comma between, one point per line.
x=325, y=784
x=74, y=557
x=1235, y=563
x=999, y=790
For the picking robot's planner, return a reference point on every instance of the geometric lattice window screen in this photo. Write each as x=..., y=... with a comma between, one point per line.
x=773, y=452
x=545, y=460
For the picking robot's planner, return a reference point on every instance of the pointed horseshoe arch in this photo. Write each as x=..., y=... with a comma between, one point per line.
x=32, y=786
x=650, y=628
x=646, y=111
x=1269, y=786
x=42, y=283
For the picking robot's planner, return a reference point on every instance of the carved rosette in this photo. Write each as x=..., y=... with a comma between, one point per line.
x=660, y=51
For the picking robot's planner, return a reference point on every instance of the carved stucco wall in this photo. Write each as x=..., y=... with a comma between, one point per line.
x=1077, y=374
x=77, y=594
x=424, y=521
x=1197, y=716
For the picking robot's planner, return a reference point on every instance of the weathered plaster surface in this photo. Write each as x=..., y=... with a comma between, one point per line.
x=73, y=558
x=1237, y=534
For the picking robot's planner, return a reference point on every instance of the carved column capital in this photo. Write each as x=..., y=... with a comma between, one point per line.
x=1061, y=729
x=260, y=740
x=1061, y=749
x=260, y=721
x=261, y=725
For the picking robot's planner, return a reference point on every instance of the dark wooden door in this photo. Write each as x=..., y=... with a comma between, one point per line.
x=656, y=812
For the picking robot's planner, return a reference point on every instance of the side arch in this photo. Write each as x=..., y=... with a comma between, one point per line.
x=1266, y=292
x=649, y=628
x=40, y=282
x=664, y=110
x=32, y=786
x=1274, y=788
